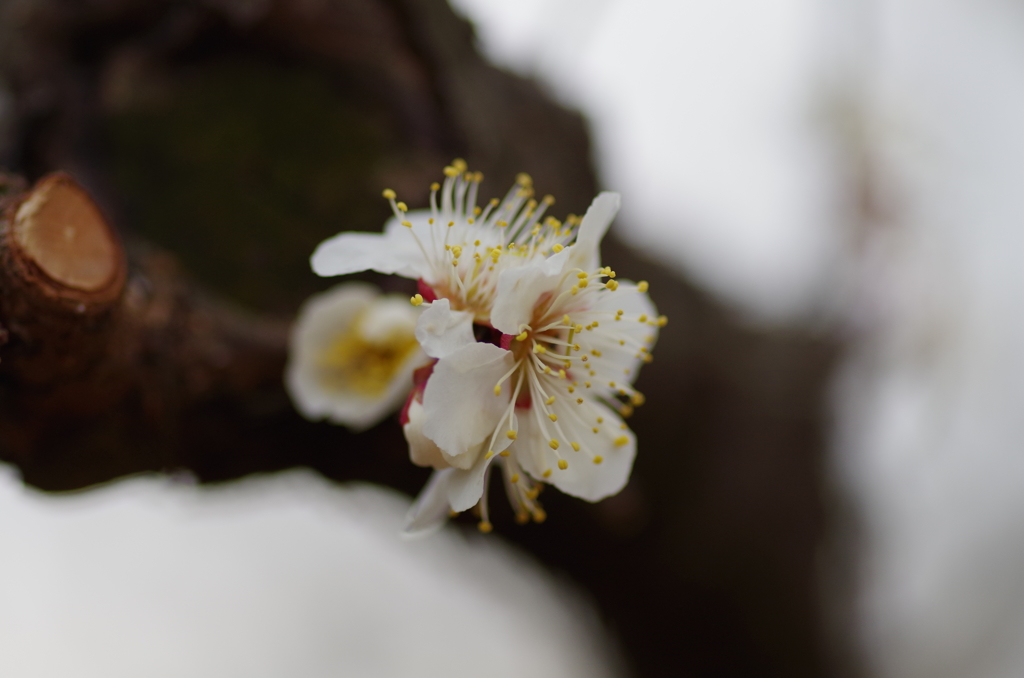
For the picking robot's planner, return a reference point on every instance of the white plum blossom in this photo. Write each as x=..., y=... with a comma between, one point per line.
x=352, y=354
x=535, y=345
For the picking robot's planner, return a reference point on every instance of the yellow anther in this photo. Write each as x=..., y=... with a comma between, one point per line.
x=578, y=327
x=389, y=194
x=600, y=420
x=662, y=320
x=470, y=220
x=642, y=318
x=430, y=221
x=435, y=186
x=623, y=427
x=478, y=177
x=575, y=290
x=546, y=474
x=561, y=374
x=489, y=454
x=557, y=248
x=407, y=224
x=550, y=400
x=455, y=262
x=504, y=453
x=575, y=347
x=567, y=364
x=533, y=493
x=595, y=324
x=595, y=353
x=553, y=444
x=582, y=283
x=637, y=398
x=485, y=526
x=566, y=319
x=524, y=180
x=537, y=348
x=612, y=285
x=563, y=464
x=612, y=384
x=522, y=518
x=582, y=275
x=402, y=207
x=511, y=435
x=514, y=478
x=553, y=417
x=460, y=165
x=621, y=440
x=547, y=370
x=594, y=430
x=598, y=459
x=626, y=410
x=642, y=286
x=416, y=299
x=584, y=358
x=587, y=384
x=572, y=390
x=579, y=401
x=522, y=336
x=575, y=446
x=450, y=224
x=476, y=243
x=539, y=516
x=549, y=199
x=457, y=251
x=497, y=389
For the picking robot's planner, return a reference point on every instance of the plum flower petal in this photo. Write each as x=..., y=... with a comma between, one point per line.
x=430, y=509
x=351, y=355
x=613, y=443
x=585, y=251
x=518, y=291
x=441, y=331
x=354, y=252
x=422, y=450
x=459, y=402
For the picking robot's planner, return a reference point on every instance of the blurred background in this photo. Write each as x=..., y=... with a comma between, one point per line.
x=826, y=199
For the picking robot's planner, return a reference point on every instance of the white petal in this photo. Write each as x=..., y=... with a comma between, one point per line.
x=430, y=509
x=599, y=216
x=459, y=401
x=467, y=486
x=634, y=304
x=422, y=450
x=441, y=330
x=519, y=290
x=354, y=252
x=320, y=321
x=583, y=478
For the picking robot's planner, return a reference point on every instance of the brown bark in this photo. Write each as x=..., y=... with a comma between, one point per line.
x=85, y=340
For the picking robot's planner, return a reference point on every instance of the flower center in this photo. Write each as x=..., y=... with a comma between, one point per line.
x=365, y=365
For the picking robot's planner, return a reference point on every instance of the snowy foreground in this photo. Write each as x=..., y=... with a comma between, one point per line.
x=273, y=576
